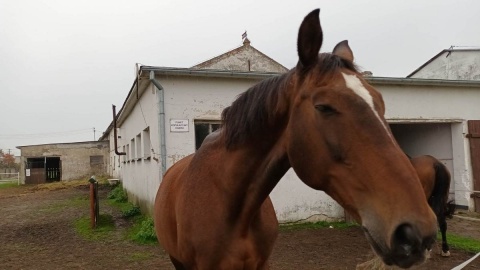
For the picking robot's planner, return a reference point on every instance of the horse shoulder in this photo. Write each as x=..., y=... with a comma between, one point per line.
x=165, y=206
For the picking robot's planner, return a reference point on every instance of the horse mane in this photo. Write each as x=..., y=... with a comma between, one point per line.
x=256, y=109
x=252, y=111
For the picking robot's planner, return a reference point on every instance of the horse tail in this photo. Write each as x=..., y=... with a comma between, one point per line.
x=439, y=198
x=450, y=209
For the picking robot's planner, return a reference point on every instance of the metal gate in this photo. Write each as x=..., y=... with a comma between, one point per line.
x=474, y=138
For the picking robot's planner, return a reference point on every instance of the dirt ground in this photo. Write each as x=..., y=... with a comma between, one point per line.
x=37, y=232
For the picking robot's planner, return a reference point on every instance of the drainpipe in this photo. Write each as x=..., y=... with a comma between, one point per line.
x=161, y=121
x=115, y=132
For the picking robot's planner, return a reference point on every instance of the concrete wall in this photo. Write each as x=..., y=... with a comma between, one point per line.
x=204, y=99
x=140, y=173
x=433, y=139
x=191, y=98
x=453, y=65
x=74, y=157
x=244, y=58
x=445, y=103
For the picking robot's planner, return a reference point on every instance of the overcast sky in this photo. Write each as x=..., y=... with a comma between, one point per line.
x=63, y=63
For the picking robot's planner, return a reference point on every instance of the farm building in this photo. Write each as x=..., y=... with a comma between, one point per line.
x=451, y=64
x=169, y=111
x=62, y=161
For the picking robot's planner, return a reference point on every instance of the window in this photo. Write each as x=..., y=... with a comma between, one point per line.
x=138, y=146
x=96, y=160
x=132, y=150
x=146, y=143
x=202, y=129
x=127, y=151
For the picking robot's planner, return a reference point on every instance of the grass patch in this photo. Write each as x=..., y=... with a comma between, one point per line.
x=143, y=231
x=119, y=199
x=462, y=243
x=127, y=209
x=118, y=195
x=316, y=225
x=8, y=185
x=140, y=256
x=105, y=227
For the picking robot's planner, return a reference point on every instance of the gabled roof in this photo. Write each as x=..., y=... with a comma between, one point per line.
x=447, y=52
x=243, y=58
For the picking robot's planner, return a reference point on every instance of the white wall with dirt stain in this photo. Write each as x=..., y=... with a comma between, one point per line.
x=189, y=98
x=200, y=98
x=423, y=102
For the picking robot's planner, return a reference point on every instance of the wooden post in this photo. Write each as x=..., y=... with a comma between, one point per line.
x=93, y=221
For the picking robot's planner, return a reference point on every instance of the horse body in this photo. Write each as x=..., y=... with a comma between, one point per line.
x=212, y=209
x=435, y=179
x=231, y=230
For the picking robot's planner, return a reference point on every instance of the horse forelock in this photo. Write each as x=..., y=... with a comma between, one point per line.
x=328, y=62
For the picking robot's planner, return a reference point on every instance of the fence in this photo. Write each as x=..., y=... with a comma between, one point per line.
x=10, y=178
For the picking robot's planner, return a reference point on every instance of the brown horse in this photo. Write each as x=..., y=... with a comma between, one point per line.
x=212, y=210
x=435, y=179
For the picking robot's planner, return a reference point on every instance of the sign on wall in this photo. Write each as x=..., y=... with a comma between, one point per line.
x=178, y=125
x=27, y=172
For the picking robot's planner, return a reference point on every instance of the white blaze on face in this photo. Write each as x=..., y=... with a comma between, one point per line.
x=354, y=84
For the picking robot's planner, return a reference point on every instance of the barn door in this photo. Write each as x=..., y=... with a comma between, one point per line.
x=474, y=138
x=35, y=171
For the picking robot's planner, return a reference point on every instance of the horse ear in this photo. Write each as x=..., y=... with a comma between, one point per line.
x=310, y=39
x=343, y=50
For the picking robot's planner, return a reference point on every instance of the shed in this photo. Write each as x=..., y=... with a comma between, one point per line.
x=63, y=161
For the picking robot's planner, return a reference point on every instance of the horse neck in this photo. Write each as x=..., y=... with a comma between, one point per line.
x=253, y=173
x=255, y=163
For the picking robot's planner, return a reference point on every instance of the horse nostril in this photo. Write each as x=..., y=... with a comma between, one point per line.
x=405, y=240
x=409, y=246
x=406, y=249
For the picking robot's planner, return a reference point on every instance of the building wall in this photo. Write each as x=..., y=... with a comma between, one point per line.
x=203, y=98
x=140, y=173
x=433, y=139
x=74, y=157
x=439, y=104
x=453, y=65
x=245, y=58
x=199, y=98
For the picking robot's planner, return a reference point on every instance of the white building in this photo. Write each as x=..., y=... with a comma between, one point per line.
x=461, y=63
x=169, y=111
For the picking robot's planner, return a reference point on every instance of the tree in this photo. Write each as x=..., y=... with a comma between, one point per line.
x=8, y=160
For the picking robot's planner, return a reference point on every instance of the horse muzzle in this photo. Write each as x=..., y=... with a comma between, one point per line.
x=407, y=246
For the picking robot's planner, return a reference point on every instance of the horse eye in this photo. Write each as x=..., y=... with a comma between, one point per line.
x=325, y=109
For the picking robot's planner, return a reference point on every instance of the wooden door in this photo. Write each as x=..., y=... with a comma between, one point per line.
x=37, y=176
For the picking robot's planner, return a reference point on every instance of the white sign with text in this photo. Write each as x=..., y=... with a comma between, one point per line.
x=178, y=125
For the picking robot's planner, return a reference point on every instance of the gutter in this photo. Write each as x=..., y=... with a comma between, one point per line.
x=115, y=132
x=216, y=73
x=421, y=82
x=161, y=121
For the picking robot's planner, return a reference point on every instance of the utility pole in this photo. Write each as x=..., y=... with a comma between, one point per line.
x=94, y=133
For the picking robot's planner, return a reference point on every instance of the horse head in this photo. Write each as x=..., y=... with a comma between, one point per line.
x=337, y=140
